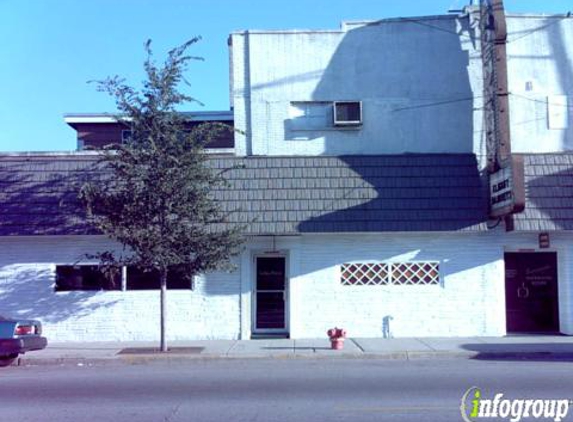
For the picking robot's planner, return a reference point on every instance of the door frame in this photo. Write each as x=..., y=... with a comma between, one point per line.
x=270, y=331
x=558, y=285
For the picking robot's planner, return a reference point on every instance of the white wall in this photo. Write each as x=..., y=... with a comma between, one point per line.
x=27, y=277
x=417, y=82
x=540, y=67
x=402, y=71
x=470, y=299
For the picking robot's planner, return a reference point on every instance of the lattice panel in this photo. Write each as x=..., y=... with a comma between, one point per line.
x=415, y=273
x=364, y=274
x=397, y=273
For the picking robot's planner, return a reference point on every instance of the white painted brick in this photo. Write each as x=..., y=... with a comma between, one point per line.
x=27, y=276
x=368, y=63
x=469, y=301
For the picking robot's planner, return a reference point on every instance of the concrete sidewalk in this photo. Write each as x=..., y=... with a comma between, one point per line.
x=514, y=347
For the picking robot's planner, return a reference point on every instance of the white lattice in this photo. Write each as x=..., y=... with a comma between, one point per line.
x=415, y=273
x=364, y=274
x=398, y=273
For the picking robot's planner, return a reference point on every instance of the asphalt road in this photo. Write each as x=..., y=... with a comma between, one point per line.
x=271, y=390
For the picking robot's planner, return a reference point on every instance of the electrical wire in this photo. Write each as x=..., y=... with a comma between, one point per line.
x=422, y=22
x=539, y=28
x=437, y=28
x=545, y=102
x=438, y=103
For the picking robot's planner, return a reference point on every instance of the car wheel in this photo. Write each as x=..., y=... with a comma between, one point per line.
x=7, y=360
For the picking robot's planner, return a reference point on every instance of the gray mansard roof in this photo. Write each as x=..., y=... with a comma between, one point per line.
x=548, y=192
x=292, y=195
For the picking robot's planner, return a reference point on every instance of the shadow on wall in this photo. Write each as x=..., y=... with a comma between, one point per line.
x=563, y=57
x=386, y=326
x=540, y=63
x=415, y=88
x=413, y=81
x=28, y=292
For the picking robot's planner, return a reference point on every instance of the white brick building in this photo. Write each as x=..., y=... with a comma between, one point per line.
x=377, y=222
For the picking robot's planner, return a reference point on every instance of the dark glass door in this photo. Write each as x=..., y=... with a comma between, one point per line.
x=270, y=294
x=531, y=297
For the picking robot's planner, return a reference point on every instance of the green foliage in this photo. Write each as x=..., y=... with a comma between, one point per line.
x=155, y=197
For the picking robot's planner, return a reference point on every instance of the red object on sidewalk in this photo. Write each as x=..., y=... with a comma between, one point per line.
x=336, y=336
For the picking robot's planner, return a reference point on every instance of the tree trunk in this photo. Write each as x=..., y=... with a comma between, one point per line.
x=163, y=285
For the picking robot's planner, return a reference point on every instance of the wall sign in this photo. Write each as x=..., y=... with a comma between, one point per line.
x=544, y=241
x=506, y=189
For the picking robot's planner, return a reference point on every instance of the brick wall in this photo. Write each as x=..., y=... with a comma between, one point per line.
x=27, y=276
x=468, y=301
x=427, y=100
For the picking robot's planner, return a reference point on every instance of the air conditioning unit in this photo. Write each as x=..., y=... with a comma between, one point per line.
x=347, y=113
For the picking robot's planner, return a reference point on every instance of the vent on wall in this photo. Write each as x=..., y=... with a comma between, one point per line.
x=347, y=113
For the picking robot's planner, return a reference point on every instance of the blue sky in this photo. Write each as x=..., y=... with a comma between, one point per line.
x=51, y=48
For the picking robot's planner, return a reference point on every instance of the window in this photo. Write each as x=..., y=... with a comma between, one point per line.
x=324, y=115
x=125, y=135
x=347, y=113
x=85, y=277
x=140, y=280
x=381, y=273
x=367, y=274
x=415, y=273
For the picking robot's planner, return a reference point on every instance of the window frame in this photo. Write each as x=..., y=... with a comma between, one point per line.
x=87, y=271
x=392, y=273
x=122, y=280
x=346, y=122
x=128, y=269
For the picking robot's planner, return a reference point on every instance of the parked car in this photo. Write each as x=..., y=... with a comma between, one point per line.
x=19, y=336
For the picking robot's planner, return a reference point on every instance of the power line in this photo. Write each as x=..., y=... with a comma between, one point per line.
x=545, y=102
x=422, y=22
x=532, y=31
x=439, y=103
x=435, y=27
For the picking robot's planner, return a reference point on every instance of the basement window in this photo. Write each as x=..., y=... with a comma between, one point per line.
x=85, y=277
x=140, y=280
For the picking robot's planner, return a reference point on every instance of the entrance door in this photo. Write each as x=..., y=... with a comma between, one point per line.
x=531, y=292
x=270, y=295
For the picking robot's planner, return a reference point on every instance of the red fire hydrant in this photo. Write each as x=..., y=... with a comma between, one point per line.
x=336, y=336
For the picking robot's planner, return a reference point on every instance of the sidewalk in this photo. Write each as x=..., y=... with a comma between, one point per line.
x=518, y=347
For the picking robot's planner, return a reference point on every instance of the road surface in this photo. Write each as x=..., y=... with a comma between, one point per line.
x=271, y=389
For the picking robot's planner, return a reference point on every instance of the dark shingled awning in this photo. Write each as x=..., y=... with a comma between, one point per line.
x=278, y=195
x=548, y=193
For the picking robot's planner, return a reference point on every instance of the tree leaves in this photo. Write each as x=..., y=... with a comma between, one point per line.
x=158, y=202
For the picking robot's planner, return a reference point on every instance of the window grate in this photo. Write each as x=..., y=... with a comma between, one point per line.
x=365, y=274
x=381, y=273
x=415, y=273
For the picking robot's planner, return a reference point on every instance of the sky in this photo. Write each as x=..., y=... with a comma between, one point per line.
x=50, y=49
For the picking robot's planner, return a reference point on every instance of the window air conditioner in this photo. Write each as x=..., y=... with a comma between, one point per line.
x=347, y=113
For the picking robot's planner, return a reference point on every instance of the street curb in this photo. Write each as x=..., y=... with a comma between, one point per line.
x=178, y=359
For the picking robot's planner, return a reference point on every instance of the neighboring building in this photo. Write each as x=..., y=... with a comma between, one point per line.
x=96, y=130
x=365, y=166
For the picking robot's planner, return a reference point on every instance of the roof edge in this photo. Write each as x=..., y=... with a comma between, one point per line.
x=198, y=116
